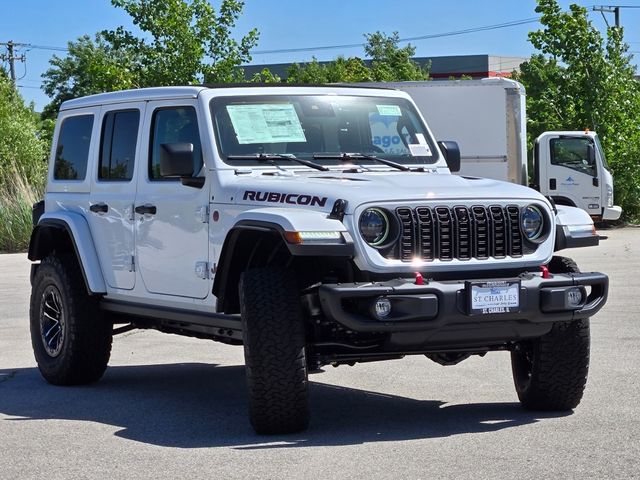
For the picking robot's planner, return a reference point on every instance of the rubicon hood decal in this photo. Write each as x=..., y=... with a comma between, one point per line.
x=287, y=198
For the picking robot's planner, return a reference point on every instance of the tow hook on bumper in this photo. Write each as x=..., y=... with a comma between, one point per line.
x=411, y=307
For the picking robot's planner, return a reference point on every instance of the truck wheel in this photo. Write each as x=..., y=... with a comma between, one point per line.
x=70, y=336
x=274, y=351
x=550, y=372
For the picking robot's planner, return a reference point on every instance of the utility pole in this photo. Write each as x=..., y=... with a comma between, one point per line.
x=615, y=9
x=11, y=58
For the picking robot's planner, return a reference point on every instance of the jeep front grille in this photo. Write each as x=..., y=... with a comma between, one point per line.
x=460, y=233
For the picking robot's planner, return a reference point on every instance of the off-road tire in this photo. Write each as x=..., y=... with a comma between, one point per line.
x=560, y=264
x=80, y=351
x=550, y=372
x=274, y=351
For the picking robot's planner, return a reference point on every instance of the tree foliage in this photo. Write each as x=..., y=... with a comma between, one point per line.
x=388, y=63
x=183, y=42
x=92, y=65
x=578, y=80
x=22, y=148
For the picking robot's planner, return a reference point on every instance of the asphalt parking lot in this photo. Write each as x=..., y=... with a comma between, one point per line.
x=173, y=407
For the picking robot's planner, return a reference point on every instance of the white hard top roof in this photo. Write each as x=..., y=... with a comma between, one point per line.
x=168, y=93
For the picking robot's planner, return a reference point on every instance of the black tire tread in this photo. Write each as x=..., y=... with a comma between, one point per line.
x=560, y=360
x=559, y=373
x=274, y=343
x=88, y=334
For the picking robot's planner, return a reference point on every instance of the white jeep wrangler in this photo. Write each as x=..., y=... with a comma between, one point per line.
x=314, y=226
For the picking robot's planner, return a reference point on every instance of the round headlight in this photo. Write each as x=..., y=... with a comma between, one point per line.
x=532, y=222
x=374, y=226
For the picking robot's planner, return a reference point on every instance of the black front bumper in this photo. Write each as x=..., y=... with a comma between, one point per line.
x=438, y=312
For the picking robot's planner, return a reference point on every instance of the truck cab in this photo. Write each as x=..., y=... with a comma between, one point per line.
x=571, y=168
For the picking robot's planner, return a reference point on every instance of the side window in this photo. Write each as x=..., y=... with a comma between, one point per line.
x=174, y=125
x=72, y=149
x=118, y=145
x=573, y=153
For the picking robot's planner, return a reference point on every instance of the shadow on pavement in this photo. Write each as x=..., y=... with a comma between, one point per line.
x=194, y=405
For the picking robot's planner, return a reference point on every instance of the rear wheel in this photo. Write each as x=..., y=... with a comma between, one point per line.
x=274, y=350
x=70, y=336
x=550, y=372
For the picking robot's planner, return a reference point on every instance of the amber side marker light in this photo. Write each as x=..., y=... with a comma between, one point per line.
x=298, y=238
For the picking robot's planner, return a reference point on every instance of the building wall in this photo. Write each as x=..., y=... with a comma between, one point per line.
x=475, y=66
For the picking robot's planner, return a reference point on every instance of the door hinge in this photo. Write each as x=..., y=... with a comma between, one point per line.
x=203, y=214
x=202, y=270
x=132, y=265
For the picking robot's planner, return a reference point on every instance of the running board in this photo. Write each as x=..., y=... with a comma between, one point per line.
x=177, y=320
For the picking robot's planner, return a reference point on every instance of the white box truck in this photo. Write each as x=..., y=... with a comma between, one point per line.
x=488, y=120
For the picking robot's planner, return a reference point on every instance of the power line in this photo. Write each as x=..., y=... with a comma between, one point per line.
x=408, y=39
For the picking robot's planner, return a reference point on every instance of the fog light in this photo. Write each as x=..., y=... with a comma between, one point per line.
x=381, y=308
x=575, y=297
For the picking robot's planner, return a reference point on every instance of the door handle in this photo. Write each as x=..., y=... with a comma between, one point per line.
x=596, y=182
x=552, y=184
x=146, y=209
x=99, y=208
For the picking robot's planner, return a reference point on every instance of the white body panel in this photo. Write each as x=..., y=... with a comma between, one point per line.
x=172, y=241
x=114, y=230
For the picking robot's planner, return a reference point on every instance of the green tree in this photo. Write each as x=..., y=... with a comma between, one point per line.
x=581, y=80
x=183, y=42
x=22, y=148
x=391, y=63
x=92, y=65
x=388, y=63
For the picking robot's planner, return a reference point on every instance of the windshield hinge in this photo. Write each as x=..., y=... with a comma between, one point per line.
x=202, y=270
x=203, y=214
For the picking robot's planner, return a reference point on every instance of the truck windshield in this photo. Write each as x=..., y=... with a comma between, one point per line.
x=599, y=147
x=314, y=127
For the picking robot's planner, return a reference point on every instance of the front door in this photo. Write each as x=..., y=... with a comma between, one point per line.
x=172, y=247
x=573, y=172
x=113, y=189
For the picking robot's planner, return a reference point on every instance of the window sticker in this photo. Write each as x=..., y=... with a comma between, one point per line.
x=389, y=110
x=420, y=150
x=421, y=139
x=266, y=123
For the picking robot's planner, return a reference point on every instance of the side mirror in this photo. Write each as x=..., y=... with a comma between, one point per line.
x=176, y=159
x=451, y=153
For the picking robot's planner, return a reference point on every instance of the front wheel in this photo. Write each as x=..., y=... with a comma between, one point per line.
x=550, y=372
x=274, y=351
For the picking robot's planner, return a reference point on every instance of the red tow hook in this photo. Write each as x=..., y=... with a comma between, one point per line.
x=419, y=279
x=545, y=271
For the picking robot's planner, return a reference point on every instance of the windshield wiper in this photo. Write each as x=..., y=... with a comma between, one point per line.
x=270, y=157
x=359, y=156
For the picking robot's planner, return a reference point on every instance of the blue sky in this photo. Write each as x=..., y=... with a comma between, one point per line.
x=298, y=23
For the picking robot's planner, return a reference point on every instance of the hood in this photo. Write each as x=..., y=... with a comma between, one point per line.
x=321, y=190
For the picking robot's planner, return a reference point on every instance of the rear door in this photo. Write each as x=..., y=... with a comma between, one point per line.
x=172, y=246
x=113, y=189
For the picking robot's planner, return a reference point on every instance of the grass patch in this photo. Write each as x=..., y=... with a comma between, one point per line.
x=16, y=199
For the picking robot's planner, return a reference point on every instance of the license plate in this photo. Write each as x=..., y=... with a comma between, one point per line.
x=494, y=297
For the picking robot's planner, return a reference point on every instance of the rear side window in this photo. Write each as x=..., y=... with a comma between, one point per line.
x=72, y=149
x=118, y=145
x=170, y=126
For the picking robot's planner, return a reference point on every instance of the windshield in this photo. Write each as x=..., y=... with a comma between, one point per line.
x=307, y=126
